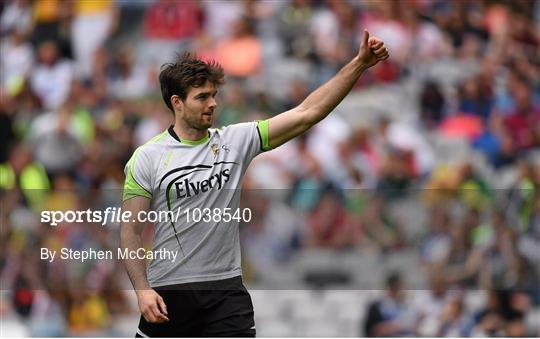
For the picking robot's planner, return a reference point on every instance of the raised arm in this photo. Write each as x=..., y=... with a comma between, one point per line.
x=151, y=304
x=324, y=99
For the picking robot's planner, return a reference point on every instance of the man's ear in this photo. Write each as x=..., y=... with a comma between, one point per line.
x=177, y=103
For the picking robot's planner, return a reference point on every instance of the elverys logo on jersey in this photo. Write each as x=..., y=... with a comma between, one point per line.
x=187, y=188
x=192, y=180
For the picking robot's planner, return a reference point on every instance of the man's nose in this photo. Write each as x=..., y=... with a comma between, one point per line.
x=213, y=103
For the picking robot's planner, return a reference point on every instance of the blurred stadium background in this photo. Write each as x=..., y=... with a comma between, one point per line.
x=414, y=209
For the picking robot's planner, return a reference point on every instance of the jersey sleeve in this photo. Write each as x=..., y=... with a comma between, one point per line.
x=262, y=129
x=138, y=176
x=251, y=138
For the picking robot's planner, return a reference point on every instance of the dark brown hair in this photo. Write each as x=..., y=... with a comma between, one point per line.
x=187, y=71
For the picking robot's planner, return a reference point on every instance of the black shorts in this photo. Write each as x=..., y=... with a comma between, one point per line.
x=221, y=308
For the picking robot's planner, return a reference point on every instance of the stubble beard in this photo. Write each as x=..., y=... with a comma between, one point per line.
x=199, y=123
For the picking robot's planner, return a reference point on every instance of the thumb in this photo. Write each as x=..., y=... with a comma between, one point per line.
x=162, y=306
x=365, y=37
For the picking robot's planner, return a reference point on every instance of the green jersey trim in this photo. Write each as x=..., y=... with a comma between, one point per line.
x=131, y=187
x=196, y=142
x=263, y=129
x=188, y=142
x=157, y=137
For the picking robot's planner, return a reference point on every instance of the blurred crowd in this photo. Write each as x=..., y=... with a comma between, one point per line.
x=441, y=311
x=79, y=92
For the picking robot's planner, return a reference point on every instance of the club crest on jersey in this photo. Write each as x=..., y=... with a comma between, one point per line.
x=215, y=149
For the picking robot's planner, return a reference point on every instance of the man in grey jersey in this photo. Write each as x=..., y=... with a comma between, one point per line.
x=192, y=166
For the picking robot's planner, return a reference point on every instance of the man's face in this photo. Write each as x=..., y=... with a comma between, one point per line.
x=199, y=106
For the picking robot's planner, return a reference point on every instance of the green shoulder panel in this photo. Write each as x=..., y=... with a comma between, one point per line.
x=131, y=187
x=263, y=128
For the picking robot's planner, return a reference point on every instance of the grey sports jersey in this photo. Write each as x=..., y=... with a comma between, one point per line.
x=202, y=174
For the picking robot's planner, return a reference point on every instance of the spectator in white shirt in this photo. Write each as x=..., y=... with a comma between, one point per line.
x=51, y=79
x=16, y=60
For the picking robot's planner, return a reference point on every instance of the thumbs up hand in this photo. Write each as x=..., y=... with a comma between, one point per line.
x=372, y=50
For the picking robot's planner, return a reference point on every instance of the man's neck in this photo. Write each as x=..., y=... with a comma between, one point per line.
x=189, y=133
